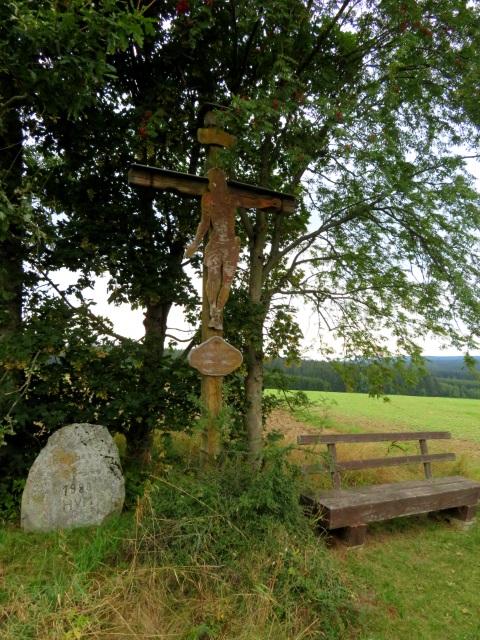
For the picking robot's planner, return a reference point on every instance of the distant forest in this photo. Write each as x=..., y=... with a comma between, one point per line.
x=447, y=376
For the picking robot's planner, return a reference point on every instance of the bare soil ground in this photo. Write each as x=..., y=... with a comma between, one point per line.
x=290, y=427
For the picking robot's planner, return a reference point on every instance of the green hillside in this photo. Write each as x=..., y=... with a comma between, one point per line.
x=446, y=377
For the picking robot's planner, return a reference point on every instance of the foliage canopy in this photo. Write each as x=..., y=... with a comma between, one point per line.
x=367, y=110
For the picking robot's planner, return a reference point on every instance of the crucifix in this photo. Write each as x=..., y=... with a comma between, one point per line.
x=220, y=198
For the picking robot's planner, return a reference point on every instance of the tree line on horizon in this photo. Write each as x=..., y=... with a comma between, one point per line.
x=444, y=377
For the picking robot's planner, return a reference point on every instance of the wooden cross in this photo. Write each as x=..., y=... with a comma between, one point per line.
x=220, y=198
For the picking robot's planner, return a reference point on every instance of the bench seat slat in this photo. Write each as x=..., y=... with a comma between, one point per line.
x=405, y=484
x=340, y=438
x=375, y=463
x=361, y=505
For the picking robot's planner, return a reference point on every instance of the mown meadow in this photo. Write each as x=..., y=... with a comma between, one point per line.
x=461, y=416
x=230, y=555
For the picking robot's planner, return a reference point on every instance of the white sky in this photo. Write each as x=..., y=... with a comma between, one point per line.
x=129, y=323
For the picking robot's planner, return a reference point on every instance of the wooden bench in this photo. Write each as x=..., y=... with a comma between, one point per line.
x=346, y=512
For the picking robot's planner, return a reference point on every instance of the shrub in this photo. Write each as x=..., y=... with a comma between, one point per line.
x=236, y=534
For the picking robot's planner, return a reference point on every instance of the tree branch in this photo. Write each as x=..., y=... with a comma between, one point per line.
x=12, y=100
x=84, y=311
x=322, y=37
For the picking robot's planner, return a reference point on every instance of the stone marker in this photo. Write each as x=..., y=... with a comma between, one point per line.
x=75, y=481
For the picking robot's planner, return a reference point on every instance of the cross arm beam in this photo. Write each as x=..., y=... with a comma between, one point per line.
x=196, y=186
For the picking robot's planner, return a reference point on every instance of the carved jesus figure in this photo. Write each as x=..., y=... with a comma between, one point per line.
x=223, y=248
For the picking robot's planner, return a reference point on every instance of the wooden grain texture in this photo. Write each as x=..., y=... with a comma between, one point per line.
x=196, y=186
x=211, y=385
x=345, y=438
x=376, y=463
x=212, y=399
x=212, y=135
x=354, y=507
x=215, y=357
x=394, y=461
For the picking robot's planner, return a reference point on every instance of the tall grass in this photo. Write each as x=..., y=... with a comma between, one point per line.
x=230, y=556
x=226, y=555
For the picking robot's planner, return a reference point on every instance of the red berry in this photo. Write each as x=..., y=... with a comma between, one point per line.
x=182, y=7
x=275, y=105
x=299, y=97
x=404, y=26
x=339, y=115
x=143, y=132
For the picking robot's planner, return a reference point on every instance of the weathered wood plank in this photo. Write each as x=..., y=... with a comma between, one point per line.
x=183, y=183
x=196, y=186
x=375, y=463
x=340, y=438
x=406, y=484
x=375, y=493
x=353, y=507
x=212, y=135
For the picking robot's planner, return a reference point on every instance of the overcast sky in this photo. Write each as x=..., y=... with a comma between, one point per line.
x=130, y=323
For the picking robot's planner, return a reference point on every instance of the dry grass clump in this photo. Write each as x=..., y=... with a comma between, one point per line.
x=317, y=454
x=228, y=555
x=231, y=556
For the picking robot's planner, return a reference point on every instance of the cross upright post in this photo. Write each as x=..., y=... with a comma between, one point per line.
x=214, y=357
x=211, y=388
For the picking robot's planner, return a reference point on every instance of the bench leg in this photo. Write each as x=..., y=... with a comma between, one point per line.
x=462, y=516
x=352, y=537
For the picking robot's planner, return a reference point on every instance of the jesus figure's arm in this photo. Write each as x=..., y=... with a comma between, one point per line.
x=202, y=227
x=258, y=203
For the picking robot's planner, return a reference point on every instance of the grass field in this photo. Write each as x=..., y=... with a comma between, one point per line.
x=461, y=416
x=415, y=579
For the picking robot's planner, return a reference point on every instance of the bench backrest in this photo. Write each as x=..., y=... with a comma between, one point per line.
x=333, y=466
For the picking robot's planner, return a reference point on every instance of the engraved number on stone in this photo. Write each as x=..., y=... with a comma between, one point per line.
x=70, y=489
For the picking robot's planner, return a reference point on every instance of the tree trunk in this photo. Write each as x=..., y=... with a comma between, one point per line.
x=140, y=436
x=253, y=394
x=155, y=324
x=11, y=246
x=254, y=350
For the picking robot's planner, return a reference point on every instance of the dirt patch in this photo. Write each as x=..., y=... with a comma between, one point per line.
x=286, y=424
